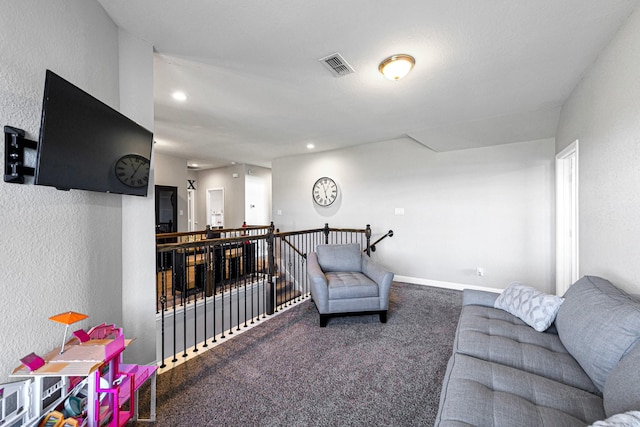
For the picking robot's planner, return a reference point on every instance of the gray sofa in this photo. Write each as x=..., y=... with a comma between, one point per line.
x=585, y=367
x=344, y=281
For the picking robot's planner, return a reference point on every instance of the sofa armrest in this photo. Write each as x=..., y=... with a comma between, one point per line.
x=475, y=297
x=382, y=277
x=318, y=283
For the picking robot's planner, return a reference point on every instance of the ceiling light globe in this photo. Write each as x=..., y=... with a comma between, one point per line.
x=179, y=96
x=397, y=66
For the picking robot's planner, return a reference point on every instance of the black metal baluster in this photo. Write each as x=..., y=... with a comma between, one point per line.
x=241, y=273
x=232, y=282
x=175, y=314
x=223, y=273
x=205, y=287
x=184, y=300
x=253, y=291
x=195, y=299
x=291, y=283
x=163, y=302
x=215, y=290
x=245, y=264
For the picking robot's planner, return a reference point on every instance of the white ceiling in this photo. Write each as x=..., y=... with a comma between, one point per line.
x=487, y=71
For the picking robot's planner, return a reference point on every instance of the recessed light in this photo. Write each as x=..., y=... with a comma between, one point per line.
x=311, y=146
x=179, y=96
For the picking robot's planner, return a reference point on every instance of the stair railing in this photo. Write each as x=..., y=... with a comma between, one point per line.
x=209, y=288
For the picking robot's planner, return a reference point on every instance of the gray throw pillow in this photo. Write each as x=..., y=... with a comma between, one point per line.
x=598, y=324
x=533, y=307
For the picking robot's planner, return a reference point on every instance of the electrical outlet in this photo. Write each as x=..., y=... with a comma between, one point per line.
x=479, y=271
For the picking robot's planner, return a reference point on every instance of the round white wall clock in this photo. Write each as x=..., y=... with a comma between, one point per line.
x=324, y=191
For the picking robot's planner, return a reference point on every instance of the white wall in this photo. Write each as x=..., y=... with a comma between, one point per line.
x=60, y=250
x=234, y=191
x=138, y=213
x=172, y=171
x=233, y=194
x=603, y=113
x=487, y=207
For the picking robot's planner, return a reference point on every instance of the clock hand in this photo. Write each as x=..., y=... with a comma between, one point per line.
x=136, y=169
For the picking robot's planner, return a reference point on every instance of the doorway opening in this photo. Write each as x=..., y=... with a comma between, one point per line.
x=215, y=207
x=166, y=209
x=192, y=224
x=567, y=218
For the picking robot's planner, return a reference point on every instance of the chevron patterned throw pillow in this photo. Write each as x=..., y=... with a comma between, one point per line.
x=533, y=307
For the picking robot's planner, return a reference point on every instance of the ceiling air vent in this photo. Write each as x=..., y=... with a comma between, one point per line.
x=337, y=65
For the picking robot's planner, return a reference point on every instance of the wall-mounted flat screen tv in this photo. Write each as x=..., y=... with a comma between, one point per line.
x=84, y=144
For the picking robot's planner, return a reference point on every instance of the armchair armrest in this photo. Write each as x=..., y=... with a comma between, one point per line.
x=382, y=277
x=318, y=283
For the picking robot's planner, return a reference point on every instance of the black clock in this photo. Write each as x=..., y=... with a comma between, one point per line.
x=133, y=170
x=325, y=191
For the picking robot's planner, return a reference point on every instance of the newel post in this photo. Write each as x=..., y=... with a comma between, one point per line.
x=367, y=233
x=270, y=290
x=326, y=233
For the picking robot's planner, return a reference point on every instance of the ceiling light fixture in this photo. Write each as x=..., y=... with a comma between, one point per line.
x=179, y=96
x=397, y=66
x=310, y=146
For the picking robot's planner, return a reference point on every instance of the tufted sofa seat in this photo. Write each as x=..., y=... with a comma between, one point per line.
x=582, y=369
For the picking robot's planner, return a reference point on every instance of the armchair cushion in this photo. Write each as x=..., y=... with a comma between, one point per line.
x=350, y=285
x=338, y=258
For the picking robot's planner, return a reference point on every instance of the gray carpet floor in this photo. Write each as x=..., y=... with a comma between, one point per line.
x=290, y=372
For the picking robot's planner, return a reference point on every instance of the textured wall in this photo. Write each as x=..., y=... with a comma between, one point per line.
x=60, y=250
x=603, y=113
x=487, y=207
x=138, y=213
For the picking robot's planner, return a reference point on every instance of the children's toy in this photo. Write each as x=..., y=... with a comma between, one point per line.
x=83, y=383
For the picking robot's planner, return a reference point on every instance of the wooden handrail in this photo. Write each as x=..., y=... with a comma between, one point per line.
x=168, y=247
x=215, y=230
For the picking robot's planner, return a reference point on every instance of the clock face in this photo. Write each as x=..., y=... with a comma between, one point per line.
x=325, y=191
x=133, y=170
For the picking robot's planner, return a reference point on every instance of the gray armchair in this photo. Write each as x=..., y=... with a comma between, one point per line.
x=344, y=281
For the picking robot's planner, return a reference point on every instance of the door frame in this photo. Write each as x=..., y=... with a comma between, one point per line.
x=191, y=210
x=209, y=207
x=567, y=224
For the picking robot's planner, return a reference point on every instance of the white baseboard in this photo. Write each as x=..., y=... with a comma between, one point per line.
x=441, y=284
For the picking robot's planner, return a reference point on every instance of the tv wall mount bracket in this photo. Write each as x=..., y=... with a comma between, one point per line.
x=14, y=145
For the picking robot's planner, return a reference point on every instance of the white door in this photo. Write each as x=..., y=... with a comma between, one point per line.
x=215, y=207
x=192, y=224
x=256, y=201
x=567, y=218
